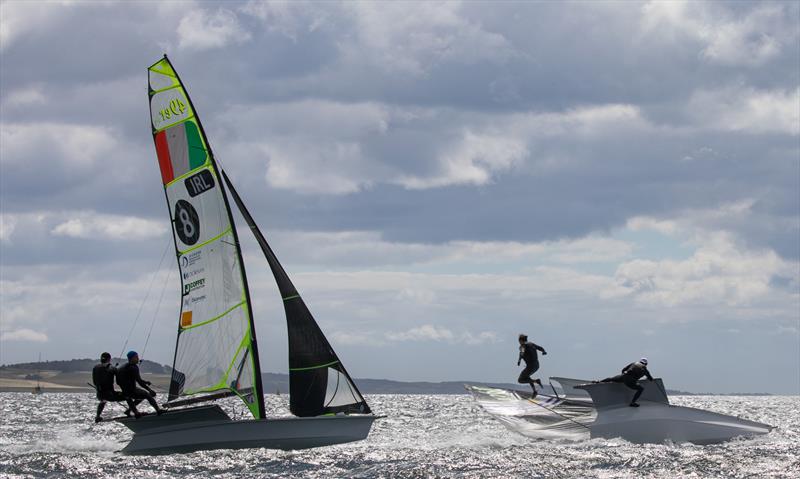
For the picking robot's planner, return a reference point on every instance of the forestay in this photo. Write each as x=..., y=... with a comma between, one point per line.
x=216, y=348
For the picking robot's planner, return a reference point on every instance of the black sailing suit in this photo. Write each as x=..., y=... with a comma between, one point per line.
x=127, y=378
x=527, y=352
x=630, y=377
x=103, y=379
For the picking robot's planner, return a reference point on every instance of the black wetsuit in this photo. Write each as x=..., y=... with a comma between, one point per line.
x=630, y=377
x=127, y=378
x=527, y=352
x=103, y=379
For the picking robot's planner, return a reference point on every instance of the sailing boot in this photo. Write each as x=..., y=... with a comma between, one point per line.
x=634, y=404
x=97, y=419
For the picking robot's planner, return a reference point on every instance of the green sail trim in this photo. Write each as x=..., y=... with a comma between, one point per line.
x=215, y=318
x=315, y=367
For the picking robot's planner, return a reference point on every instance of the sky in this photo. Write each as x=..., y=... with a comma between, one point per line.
x=615, y=179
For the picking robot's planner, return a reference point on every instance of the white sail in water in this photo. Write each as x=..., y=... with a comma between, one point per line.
x=216, y=349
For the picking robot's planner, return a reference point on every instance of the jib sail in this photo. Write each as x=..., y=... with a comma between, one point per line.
x=318, y=381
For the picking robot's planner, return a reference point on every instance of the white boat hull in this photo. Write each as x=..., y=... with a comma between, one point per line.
x=166, y=435
x=656, y=421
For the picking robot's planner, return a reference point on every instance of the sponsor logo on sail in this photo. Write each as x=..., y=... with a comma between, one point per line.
x=191, y=258
x=192, y=273
x=196, y=284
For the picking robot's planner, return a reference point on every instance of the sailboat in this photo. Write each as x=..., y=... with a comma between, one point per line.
x=216, y=352
x=588, y=409
x=38, y=388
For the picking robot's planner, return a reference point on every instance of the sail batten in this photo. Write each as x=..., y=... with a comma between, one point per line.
x=216, y=348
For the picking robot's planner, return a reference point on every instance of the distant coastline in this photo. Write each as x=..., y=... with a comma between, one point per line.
x=74, y=375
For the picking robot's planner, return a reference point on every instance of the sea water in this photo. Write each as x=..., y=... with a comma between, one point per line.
x=53, y=435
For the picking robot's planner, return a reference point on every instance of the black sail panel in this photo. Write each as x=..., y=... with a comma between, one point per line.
x=318, y=381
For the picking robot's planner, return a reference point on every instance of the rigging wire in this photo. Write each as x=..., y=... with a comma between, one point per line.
x=155, y=314
x=141, y=306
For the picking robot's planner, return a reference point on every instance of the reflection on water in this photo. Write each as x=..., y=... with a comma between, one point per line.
x=52, y=435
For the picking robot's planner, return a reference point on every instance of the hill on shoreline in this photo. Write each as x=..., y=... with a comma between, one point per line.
x=74, y=374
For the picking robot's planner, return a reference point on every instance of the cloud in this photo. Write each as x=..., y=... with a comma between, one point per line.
x=202, y=29
x=720, y=270
x=751, y=39
x=429, y=332
x=31, y=95
x=415, y=37
x=91, y=225
x=24, y=335
x=7, y=225
x=74, y=144
x=747, y=109
x=77, y=224
x=473, y=161
x=20, y=18
x=369, y=248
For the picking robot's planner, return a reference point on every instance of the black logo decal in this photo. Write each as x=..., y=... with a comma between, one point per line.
x=187, y=223
x=199, y=183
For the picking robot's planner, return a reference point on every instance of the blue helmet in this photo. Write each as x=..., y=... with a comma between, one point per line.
x=131, y=354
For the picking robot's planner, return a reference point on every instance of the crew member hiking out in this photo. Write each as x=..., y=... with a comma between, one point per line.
x=527, y=352
x=103, y=379
x=128, y=377
x=630, y=377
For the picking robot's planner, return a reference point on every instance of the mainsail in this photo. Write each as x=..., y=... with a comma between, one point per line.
x=216, y=348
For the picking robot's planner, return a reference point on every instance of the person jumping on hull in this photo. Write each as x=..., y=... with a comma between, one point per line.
x=630, y=377
x=527, y=352
x=128, y=377
x=103, y=379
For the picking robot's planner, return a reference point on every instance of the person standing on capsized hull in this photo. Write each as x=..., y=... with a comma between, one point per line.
x=527, y=352
x=630, y=377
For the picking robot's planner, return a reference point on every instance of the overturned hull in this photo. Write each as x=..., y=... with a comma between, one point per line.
x=657, y=421
x=602, y=411
x=208, y=427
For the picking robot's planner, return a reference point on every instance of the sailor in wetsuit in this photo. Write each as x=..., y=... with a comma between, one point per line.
x=103, y=379
x=127, y=378
x=630, y=377
x=527, y=351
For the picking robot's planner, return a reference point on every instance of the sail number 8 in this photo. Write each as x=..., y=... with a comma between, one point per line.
x=187, y=222
x=176, y=107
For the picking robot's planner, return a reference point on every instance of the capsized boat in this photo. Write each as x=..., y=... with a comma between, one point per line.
x=656, y=420
x=585, y=409
x=216, y=352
